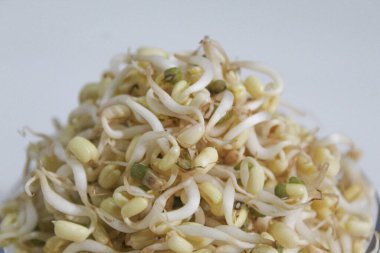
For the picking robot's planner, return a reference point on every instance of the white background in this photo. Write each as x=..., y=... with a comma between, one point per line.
x=327, y=51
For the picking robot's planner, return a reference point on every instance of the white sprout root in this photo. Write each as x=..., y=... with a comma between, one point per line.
x=179, y=152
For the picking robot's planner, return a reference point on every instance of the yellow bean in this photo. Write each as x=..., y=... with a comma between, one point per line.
x=266, y=235
x=190, y=136
x=120, y=199
x=232, y=157
x=271, y=104
x=55, y=245
x=240, y=216
x=89, y=93
x=70, y=231
x=109, y=176
x=240, y=140
x=152, y=51
x=278, y=165
x=254, y=87
x=210, y=193
x=110, y=206
x=359, y=246
x=256, y=179
x=240, y=94
x=352, y=192
x=323, y=155
x=199, y=242
x=194, y=73
x=164, y=227
x=20, y=250
x=305, y=164
x=206, y=160
x=51, y=162
x=169, y=160
x=296, y=190
x=134, y=207
x=9, y=219
x=105, y=82
x=131, y=147
x=83, y=149
x=100, y=234
x=141, y=239
x=217, y=209
x=206, y=250
x=358, y=227
x=283, y=234
x=66, y=134
x=178, y=244
x=264, y=249
x=178, y=91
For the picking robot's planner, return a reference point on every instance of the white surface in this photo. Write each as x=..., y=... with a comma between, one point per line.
x=327, y=51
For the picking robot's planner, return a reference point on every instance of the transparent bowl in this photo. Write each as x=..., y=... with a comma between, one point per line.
x=370, y=248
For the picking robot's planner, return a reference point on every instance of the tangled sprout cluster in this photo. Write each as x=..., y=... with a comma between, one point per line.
x=183, y=153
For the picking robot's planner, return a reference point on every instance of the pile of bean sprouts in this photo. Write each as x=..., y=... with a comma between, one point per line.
x=188, y=152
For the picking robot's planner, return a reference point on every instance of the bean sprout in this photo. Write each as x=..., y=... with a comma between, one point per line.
x=184, y=152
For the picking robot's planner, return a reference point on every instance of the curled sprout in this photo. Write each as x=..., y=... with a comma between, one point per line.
x=182, y=152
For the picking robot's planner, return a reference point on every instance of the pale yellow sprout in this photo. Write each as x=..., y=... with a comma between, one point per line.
x=83, y=149
x=70, y=231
